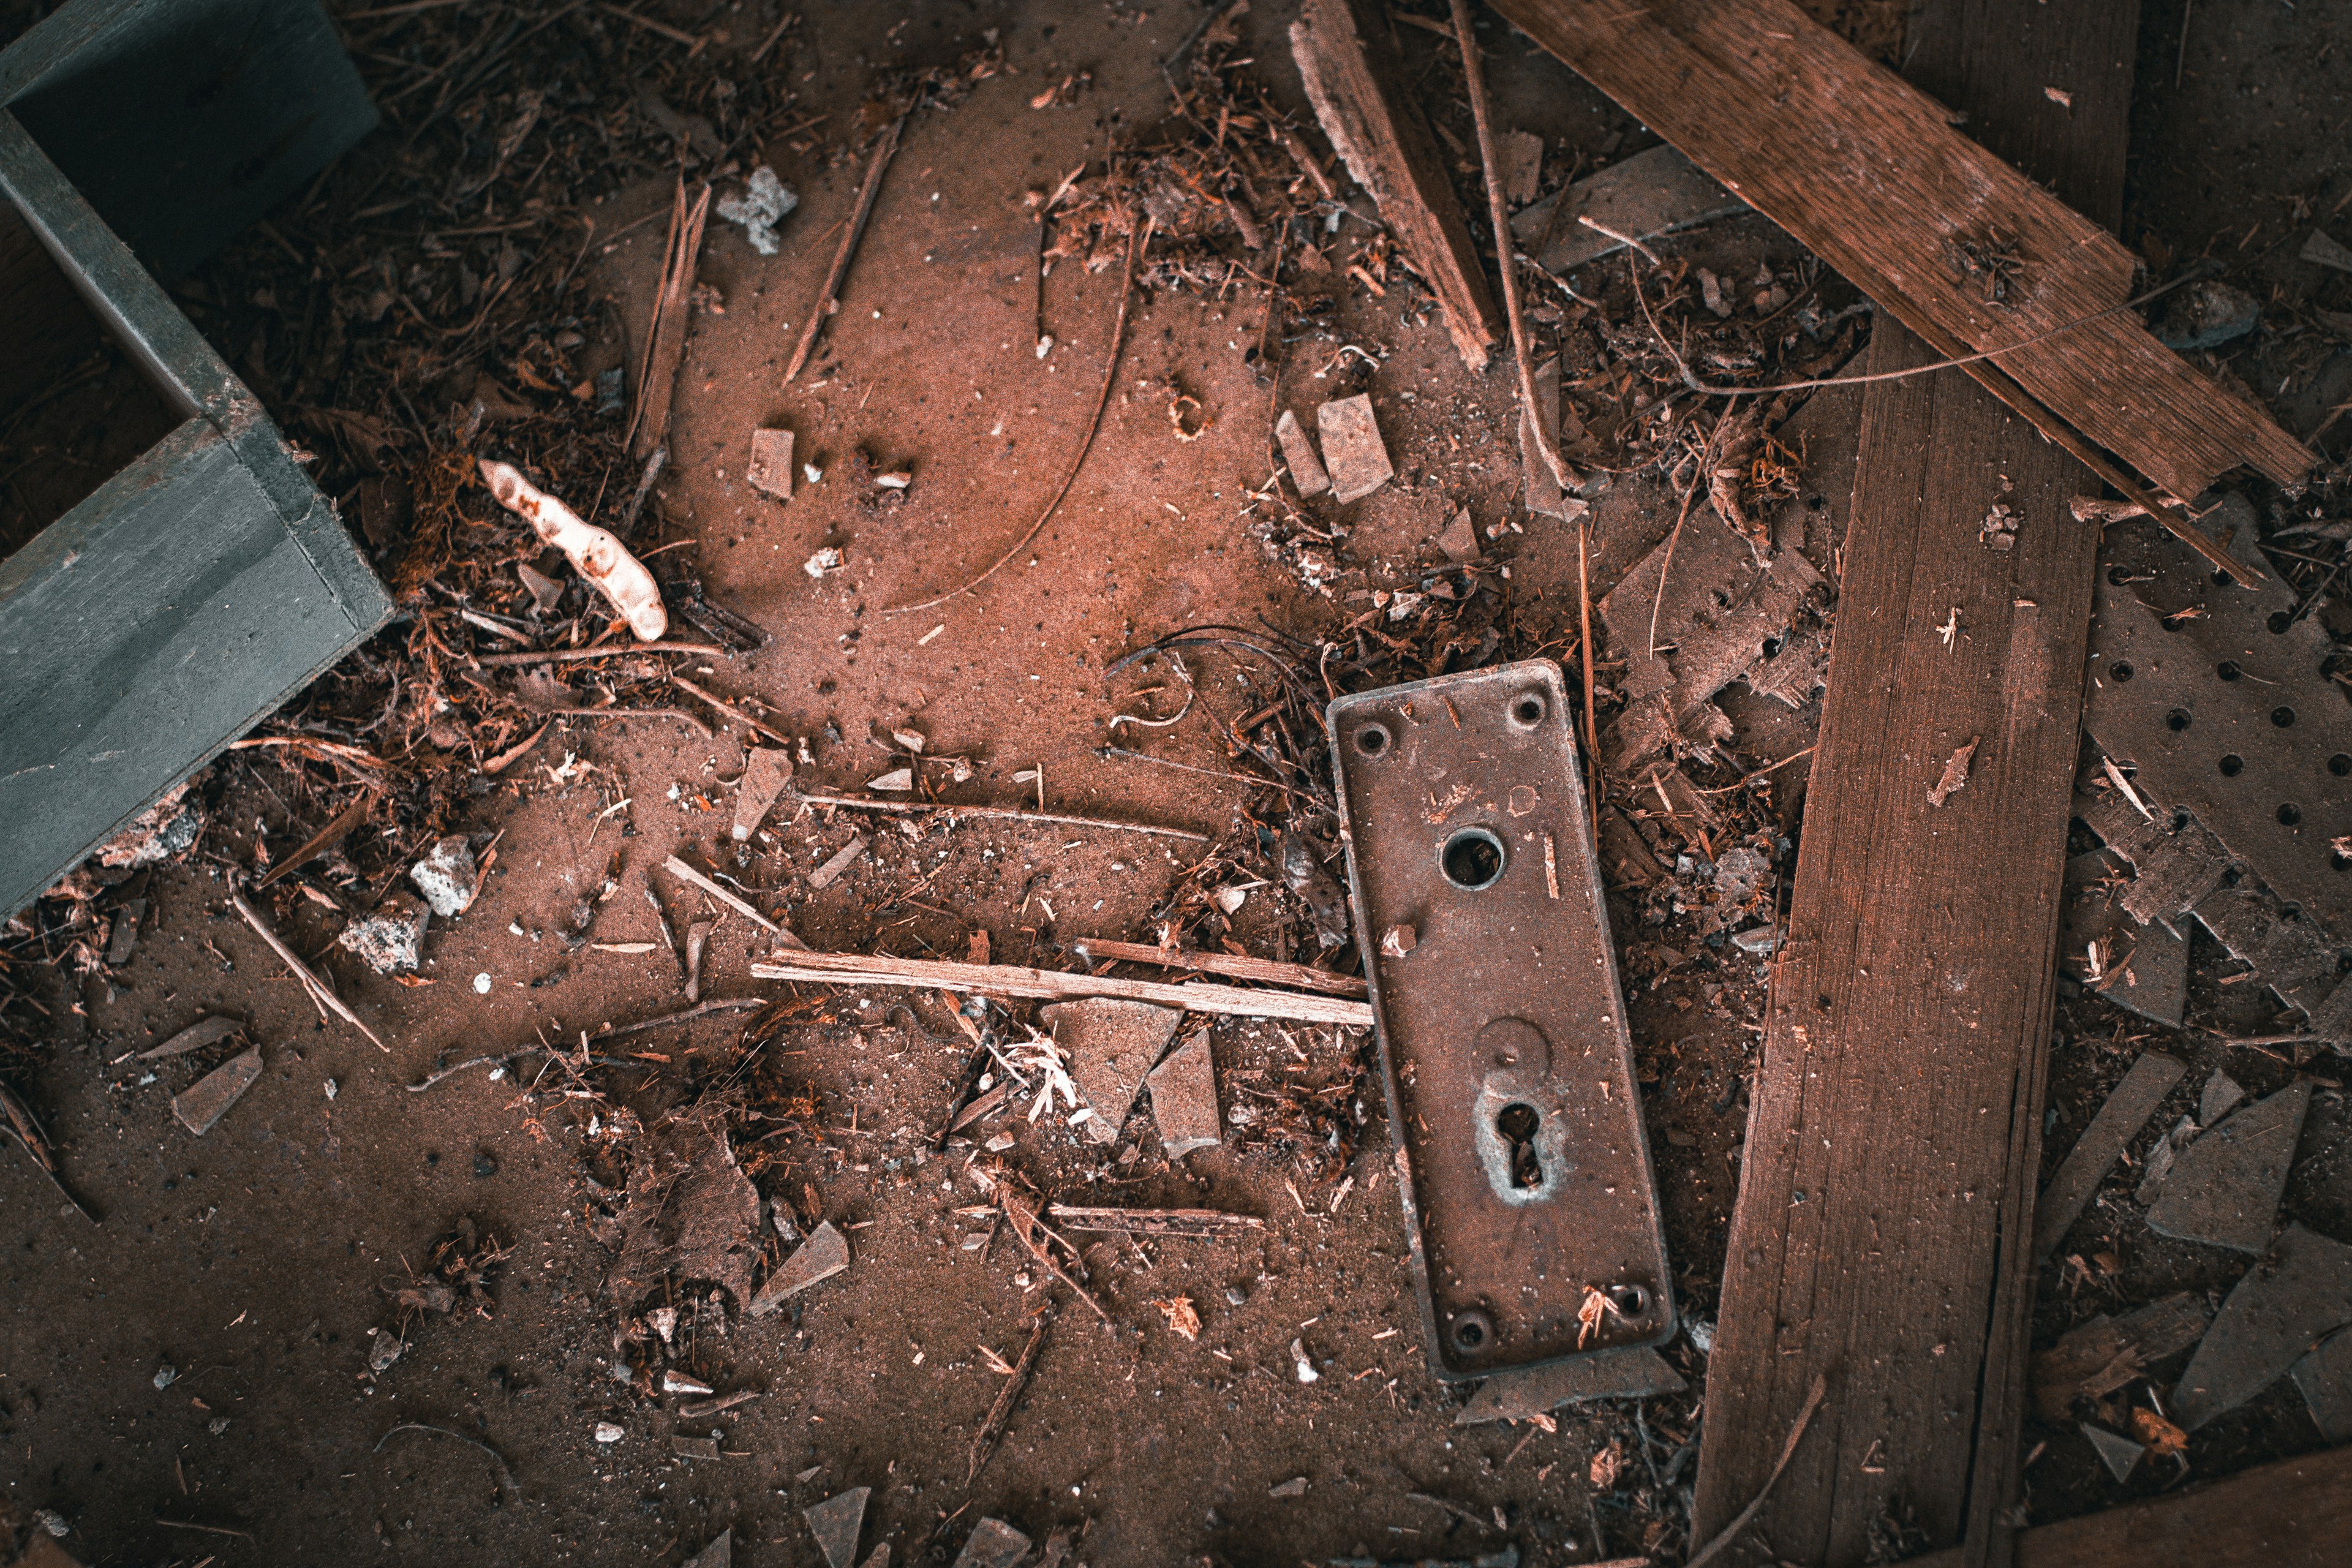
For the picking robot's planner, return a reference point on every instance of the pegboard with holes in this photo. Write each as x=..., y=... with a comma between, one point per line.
x=2223, y=700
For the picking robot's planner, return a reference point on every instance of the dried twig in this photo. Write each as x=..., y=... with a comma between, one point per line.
x=350, y=816
x=21, y=1125
x=505, y=1475
x=683, y=684
x=666, y=339
x=1240, y=967
x=1007, y=812
x=885, y=149
x=992, y=1431
x=1136, y=241
x=1474, y=73
x=1194, y=1223
x=318, y=988
x=1021, y=1219
x=1011, y=980
x=679, y=868
x=610, y=650
x=1788, y=1450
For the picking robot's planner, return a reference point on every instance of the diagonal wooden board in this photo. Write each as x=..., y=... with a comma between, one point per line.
x=1872, y=174
x=1884, y=1226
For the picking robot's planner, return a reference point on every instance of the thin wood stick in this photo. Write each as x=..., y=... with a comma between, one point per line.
x=1584, y=610
x=1005, y=813
x=666, y=335
x=612, y=650
x=1474, y=74
x=1788, y=1450
x=1136, y=241
x=683, y=684
x=678, y=868
x=1154, y=1222
x=1297, y=976
x=316, y=987
x=992, y=1431
x=1022, y=1220
x=1011, y=980
x=350, y=816
x=885, y=149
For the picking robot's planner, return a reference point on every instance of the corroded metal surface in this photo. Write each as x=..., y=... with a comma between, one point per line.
x=1521, y=1157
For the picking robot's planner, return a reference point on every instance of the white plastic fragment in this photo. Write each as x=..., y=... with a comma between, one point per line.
x=594, y=553
x=764, y=202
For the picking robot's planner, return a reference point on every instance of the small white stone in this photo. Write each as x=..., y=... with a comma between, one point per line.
x=607, y=1433
x=482, y=984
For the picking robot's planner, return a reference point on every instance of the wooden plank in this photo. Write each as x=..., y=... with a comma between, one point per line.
x=1869, y=172
x=1373, y=118
x=1011, y=980
x=2296, y=1513
x=1885, y=1214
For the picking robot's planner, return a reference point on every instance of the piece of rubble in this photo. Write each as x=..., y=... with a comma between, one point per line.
x=2117, y=1122
x=686, y=1447
x=2219, y=1097
x=1521, y=157
x=879, y=1558
x=1111, y=1044
x=836, y=1523
x=992, y=1544
x=840, y=860
x=195, y=1037
x=594, y=553
x=692, y=1215
x=2118, y=1453
x=2206, y=314
x=1542, y=494
x=163, y=830
x=1631, y=1373
x=391, y=940
x=447, y=876
x=766, y=771
x=2325, y=1379
x=125, y=934
x=1650, y=193
x=771, y=469
x=608, y=1432
x=1353, y=453
x=825, y=559
x=1184, y=1099
x=2326, y=250
x=2225, y=1188
x=719, y=1553
x=2285, y=1302
x=2141, y=968
x=766, y=201
x=1458, y=541
x=1298, y=452
x=1295, y=1486
x=2161, y=1157
x=1398, y=941
x=2101, y=1355
x=823, y=1255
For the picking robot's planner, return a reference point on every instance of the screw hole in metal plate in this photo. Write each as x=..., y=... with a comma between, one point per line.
x=1472, y=1331
x=1526, y=710
x=1631, y=1300
x=1472, y=859
x=1373, y=741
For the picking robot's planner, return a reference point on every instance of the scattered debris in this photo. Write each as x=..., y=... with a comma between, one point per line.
x=836, y=1523
x=2324, y=1380
x=2111, y=1131
x=1956, y=773
x=771, y=469
x=2120, y=1454
x=823, y=1255
x=2142, y=968
x=164, y=829
x=2101, y=1355
x=1539, y=422
x=1051, y=985
x=1643, y=198
x=1296, y=976
x=840, y=860
x=885, y=147
x=766, y=771
x=1371, y=113
x=202, y=1104
x=2285, y=1302
x=1458, y=542
x=447, y=876
x=691, y=1213
x=1111, y=1047
x=594, y=553
x=2327, y=252
x=2224, y=1187
x=992, y=1544
x=204, y=1032
x=664, y=348
x=1353, y=452
x=1184, y=1099
x=764, y=203
x=1298, y=452
x=2206, y=314
x=391, y=940
x=1637, y=1372
x=1183, y=1317
x=1000, y=1412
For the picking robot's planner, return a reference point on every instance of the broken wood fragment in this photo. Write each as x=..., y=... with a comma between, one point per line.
x=1298, y=976
x=1190, y=1222
x=2102, y=1355
x=1011, y=980
x=666, y=333
x=885, y=147
x=1373, y=117
x=322, y=994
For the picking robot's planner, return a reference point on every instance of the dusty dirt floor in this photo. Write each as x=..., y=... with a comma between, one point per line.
x=201, y=1376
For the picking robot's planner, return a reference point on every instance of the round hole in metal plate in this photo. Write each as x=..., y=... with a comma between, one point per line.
x=2120, y=670
x=2290, y=814
x=2232, y=765
x=1374, y=739
x=1528, y=709
x=1472, y=1331
x=2178, y=719
x=1631, y=1300
x=1472, y=859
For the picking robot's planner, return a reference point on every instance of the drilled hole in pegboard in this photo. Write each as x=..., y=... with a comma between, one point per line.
x=2232, y=765
x=2228, y=669
x=2340, y=764
x=2282, y=716
x=2279, y=620
x=2119, y=671
x=2290, y=814
x=2177, y=721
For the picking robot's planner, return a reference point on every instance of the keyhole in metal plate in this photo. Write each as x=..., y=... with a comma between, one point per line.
x=1518, y=1122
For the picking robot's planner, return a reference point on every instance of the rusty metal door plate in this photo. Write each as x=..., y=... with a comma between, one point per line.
x=1520, y=1153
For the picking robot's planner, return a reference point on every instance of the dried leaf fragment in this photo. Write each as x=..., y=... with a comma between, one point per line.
x=1956, y=774
x=594, y=553
x=1181, y=1315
